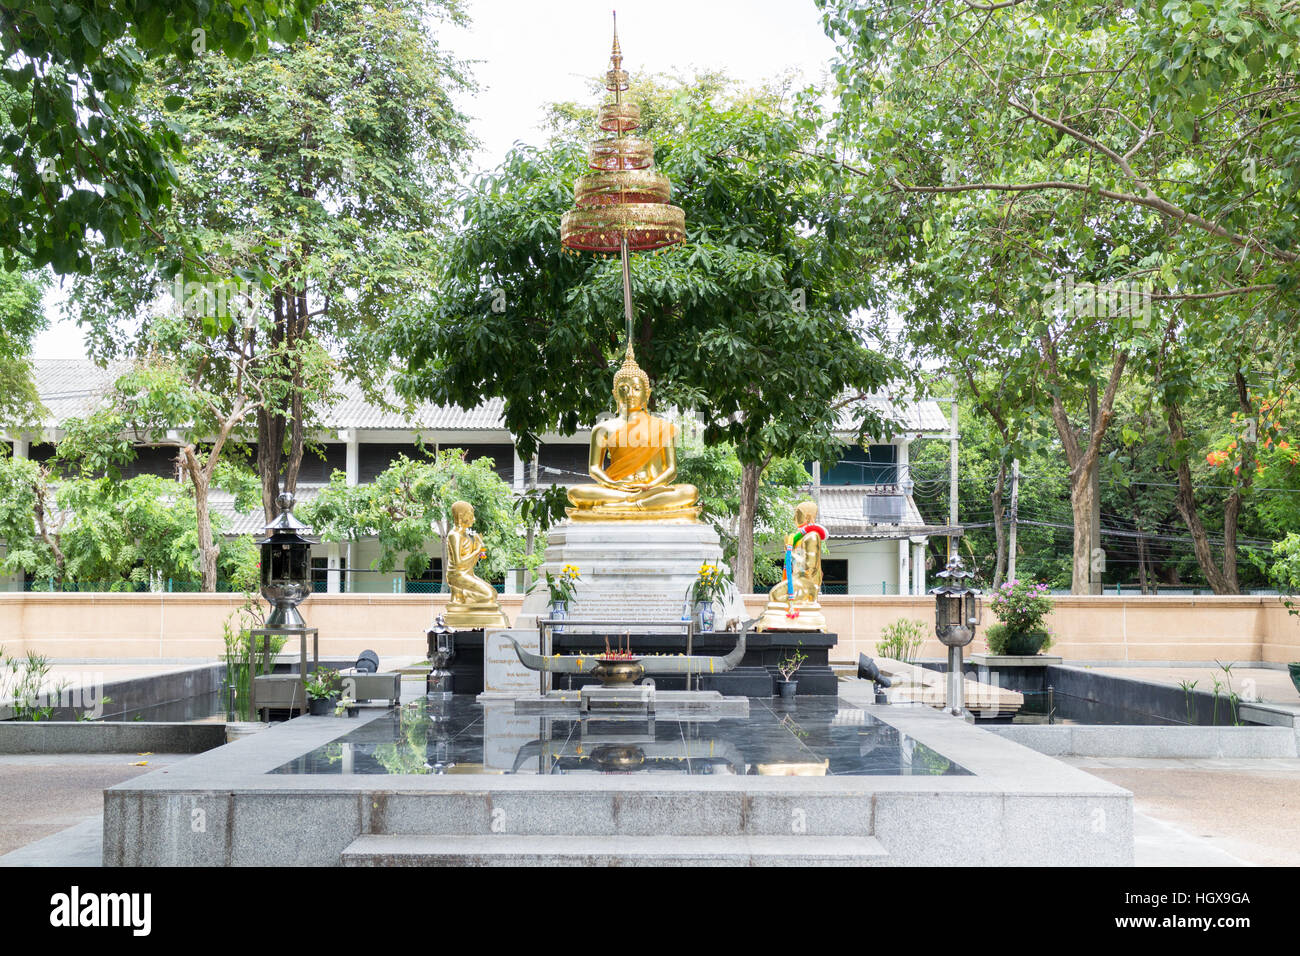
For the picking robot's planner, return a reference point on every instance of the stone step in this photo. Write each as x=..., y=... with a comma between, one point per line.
x=620, y=811
x=568, y=850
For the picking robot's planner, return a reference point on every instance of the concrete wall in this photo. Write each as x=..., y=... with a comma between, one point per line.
x=871, y=565
x=188, y=626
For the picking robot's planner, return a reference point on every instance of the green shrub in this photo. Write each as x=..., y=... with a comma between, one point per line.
x=901, y=640
x=1002, y=640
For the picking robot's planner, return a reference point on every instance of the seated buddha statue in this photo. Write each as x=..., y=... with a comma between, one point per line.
x=473, y=602
x=792, y=604
x=633, y=461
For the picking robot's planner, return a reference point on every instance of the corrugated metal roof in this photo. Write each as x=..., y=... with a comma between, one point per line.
x=921, y=416
x=354, y=411
x=840, y=510
x=252, y=522
x=74, y=387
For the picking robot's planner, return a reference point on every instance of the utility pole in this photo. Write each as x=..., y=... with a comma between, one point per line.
x=1015, y=510
x=952, y=468
x=528, y=542
x=1095, y=554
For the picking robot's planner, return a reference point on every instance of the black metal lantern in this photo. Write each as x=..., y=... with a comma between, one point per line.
x=286, y=566
x=956, y=615
x=442, y=651
x=956, y=606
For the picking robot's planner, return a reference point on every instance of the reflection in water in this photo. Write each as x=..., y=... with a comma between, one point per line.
x=460, y=736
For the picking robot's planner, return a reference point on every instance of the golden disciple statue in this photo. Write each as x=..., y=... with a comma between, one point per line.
x=633, y=461
x=473, y=601
x=792, y=604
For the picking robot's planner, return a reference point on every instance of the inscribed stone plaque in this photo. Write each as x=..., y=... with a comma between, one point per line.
x=504, y=674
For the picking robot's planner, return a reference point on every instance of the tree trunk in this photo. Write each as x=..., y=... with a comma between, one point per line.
x=999, y=532
x=1081, y=489
x=1083, y=459
x=1142, y=562
x=743, y=572
x=208, y=550
x=1221, y=580
x=278, y=466
x=41, y=490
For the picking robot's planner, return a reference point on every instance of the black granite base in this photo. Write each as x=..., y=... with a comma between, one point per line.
x=467, y=665
x=754, y=677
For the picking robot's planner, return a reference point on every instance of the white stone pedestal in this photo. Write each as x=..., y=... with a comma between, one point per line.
x=630, y=570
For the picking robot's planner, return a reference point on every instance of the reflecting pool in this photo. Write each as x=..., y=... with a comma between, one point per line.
x=812, y=737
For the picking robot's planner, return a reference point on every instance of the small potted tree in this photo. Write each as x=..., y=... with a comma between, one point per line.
x=787, y=669
x=1020, y=607
x=324, y=687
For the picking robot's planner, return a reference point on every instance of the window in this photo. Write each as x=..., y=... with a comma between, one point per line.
x=835, y=576
x=874, y=465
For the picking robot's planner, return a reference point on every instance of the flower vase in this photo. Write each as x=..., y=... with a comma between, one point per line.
x=704, y=614
x=559, y=611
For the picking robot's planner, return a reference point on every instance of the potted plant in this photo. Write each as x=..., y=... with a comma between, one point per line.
x=1020, y=607
x=710, y=581
x=560, y=588
x=346, y=704
x=787, y=668
x=324, y=687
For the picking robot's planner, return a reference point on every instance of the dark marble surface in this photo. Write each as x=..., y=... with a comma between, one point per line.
x=763, y=651
x=812, y=736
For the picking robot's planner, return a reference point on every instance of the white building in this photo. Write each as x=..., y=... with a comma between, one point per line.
x=877, y=535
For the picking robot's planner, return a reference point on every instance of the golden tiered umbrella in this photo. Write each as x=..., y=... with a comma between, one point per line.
x=622, y=204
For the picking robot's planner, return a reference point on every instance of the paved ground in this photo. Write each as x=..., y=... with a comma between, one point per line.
x=1188, y=812
x=1209, y=812
x=1253, y=683
x=41, y=795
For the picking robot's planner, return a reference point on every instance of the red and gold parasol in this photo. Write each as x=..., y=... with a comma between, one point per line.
x=623, y=203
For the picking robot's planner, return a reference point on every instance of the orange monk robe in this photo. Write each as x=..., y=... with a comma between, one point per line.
x=633, y=448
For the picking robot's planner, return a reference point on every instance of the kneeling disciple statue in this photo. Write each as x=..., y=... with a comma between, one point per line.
x=792, y=604
x=633, y=461
x=473, y=601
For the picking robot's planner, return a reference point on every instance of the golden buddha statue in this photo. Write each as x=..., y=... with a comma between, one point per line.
x=633, y=461
x=792, y=604
x=473, y=601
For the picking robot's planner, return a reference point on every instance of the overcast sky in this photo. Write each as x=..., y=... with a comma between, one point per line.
x=533, y=52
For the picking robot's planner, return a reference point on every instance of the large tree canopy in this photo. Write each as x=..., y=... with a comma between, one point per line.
x=80, y=166
x=20, y=319
x=319, y=169
x=1043, y=154
x=751, y=323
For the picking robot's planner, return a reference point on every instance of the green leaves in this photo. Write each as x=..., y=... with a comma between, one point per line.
x=409, y=504
x=82, y=64
x=752, y=310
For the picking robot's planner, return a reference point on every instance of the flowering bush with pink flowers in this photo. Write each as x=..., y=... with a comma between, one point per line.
x=1021, y=606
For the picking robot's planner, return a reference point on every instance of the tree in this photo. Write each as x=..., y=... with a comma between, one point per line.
x=411, y=499
x=716, y=471
x=105, y=533
x=750, y=323
x=1041, y=143
x=316, y=174
x=196, y=395
x=20, y=319
x=80, y=164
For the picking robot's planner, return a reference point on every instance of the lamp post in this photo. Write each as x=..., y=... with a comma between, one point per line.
x=286, y=567
x=442, y=650
x=956, y=614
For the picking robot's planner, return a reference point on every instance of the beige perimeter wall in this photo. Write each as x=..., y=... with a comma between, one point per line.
x=189, y=626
